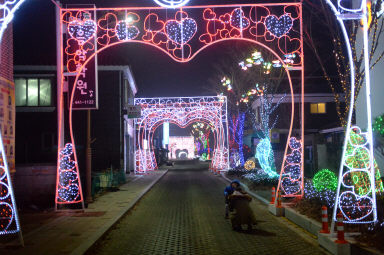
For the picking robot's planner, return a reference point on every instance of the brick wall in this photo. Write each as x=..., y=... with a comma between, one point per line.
x=6, y=58
x=7, y=97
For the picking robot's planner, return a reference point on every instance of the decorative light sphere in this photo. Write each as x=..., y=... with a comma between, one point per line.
x=249, y=165
x=171, y=3
x=325, y=180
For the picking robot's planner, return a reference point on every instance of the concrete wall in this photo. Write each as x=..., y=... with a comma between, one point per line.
x=35, y=186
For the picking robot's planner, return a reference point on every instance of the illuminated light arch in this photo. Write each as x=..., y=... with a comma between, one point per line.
x=9, y=217
x=356, y=208
x=294, y=181
x=7, y=10
x=239, y=22
x=182, y=112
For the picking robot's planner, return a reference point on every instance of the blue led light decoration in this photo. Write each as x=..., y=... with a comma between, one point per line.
x=68, y=183
x=291, y=182
x=236, y=129
x=264, y=155
x=7, y=10
x=9, y=219
x=126, y=31
x=171, y=3
x=278, y=26
x=181, y=32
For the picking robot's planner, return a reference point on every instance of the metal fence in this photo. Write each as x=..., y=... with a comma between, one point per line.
x=108, y=180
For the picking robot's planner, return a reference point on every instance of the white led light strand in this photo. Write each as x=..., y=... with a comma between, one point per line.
x=171, y=3
x=7, y=10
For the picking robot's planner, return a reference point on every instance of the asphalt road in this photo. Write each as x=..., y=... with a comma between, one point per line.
x=184, y=214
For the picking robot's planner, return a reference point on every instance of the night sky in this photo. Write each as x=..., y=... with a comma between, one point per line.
x=156, y=74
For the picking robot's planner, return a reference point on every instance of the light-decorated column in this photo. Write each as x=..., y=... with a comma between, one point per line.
x=357, y=206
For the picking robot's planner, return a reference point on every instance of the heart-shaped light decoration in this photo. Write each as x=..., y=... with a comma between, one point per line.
x=278, y=26
x=294, y=144
x=289, y=186
x=125, y=31
x=70, y=193
x=67, y=177
x=355, y=208
x=294, y=157
x=294, y=171
x=82, y=31
x=6, y=216
x=66, y=163
x=181, y=32
x=3, y=173
x=4, y=191
x=238, y=20
x=67, y=150
x=359, y=159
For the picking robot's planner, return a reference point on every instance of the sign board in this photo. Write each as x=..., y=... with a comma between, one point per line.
x=85, y=96
x=133, y=111
x=86, y=88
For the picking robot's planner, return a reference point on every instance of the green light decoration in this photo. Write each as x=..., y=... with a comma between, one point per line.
x=378, y=126
x=358, y=158
x=325, y=180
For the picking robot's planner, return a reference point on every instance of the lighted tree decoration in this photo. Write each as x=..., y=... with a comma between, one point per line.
x=264, y=153
x=243, y=78
x=322, y=24
x=201, y=133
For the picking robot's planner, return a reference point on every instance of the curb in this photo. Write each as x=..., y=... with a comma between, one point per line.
x=328, y=242
x=95, y=237
x=303, y=221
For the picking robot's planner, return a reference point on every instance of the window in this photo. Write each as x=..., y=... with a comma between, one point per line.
x=33, y=92
x=318, y=108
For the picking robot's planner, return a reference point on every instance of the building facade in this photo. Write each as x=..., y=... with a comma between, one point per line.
x=36, y=115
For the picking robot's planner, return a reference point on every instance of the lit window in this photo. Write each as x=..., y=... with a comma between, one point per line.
x=33, y=92
x=318, y=108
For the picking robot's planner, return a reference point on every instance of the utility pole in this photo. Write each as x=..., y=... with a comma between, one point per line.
x=88, y=161
x=59, y=75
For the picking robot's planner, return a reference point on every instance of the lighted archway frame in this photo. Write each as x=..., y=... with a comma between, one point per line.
x=7, y=10
x=182, y=38
x=356, y=208
x=181, y=111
